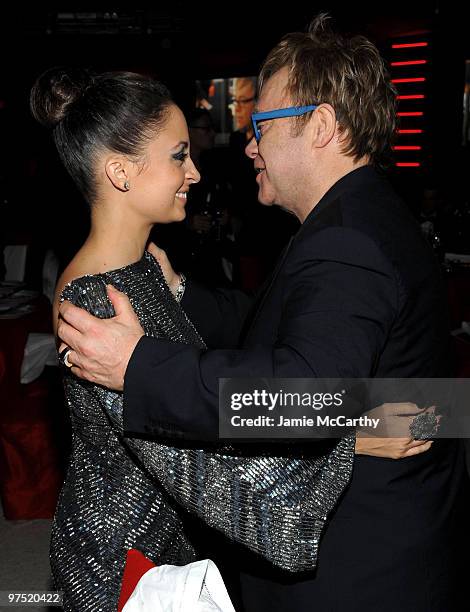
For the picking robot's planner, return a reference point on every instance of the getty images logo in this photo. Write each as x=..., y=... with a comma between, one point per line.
x=281, y=399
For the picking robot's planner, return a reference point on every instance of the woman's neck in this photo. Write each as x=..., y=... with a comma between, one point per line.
x=114, y=241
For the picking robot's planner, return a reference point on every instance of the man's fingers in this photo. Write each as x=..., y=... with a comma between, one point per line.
x=120, y=302
x=75, y=316
x=69, y=336
x=74, y=358
x=78, y=366
x=76, y=371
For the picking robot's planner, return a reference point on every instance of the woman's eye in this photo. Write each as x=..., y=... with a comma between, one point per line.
x=181, y=156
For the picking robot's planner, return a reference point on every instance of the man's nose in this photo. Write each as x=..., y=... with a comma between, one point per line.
x=251, y=149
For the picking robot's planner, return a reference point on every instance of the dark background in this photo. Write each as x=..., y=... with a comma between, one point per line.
x=180, y=42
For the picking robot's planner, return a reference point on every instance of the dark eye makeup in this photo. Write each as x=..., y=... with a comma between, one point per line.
x=181, y=155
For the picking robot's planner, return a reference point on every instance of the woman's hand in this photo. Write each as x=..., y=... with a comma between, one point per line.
x=171, y=277
x=391, y=448
x=392, y=439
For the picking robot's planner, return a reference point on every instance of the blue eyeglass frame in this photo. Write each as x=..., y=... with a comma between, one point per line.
x=291, y=111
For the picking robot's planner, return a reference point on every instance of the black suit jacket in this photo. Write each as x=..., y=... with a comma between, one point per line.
x=356, y=294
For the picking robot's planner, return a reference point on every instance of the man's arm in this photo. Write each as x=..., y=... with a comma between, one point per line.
x=340, y=305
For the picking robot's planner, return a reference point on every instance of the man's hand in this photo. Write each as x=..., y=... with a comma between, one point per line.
x=101, y=348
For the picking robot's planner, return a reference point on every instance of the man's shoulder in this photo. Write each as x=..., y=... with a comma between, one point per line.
x=364, y=223
x=340, y=243
x=370, y=226
x=371, y=210
x=358, y=200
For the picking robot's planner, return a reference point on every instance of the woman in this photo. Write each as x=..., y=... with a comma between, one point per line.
x=125, y=143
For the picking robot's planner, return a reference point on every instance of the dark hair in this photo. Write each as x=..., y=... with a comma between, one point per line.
x=346, y=72
x=115, y=111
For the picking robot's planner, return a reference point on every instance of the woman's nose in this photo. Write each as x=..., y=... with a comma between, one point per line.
x=193, y=172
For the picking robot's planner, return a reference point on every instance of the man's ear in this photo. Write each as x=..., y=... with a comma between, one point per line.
x=118, y=171
x=324, y=125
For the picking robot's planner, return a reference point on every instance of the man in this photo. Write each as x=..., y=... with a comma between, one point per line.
x=242, y=105
x=356, y=294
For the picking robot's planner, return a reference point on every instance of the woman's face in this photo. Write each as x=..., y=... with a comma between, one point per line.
x=159, y=189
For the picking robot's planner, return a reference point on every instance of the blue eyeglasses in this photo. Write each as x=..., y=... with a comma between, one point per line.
x=291, y=111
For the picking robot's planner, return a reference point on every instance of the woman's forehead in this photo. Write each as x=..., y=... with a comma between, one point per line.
x=175, y=123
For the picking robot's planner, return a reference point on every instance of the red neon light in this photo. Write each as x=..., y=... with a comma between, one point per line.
x=409, y=131
x=408, y=165
x=414, y=114
x=412, y=97
x=410, y=63
x=410, y=45
x=407, y=148
x=414, y=80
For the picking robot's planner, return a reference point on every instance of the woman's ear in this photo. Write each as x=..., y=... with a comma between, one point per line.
x=324, y=125
x=117, y=170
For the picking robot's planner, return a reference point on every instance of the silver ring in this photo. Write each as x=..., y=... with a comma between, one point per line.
x=64, y=357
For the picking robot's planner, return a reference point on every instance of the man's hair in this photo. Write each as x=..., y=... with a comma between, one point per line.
x=346, y=72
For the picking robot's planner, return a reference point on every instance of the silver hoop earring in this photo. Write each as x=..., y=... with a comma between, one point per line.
x=127, y=186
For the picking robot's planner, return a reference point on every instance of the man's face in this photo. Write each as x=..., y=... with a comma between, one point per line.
x=243, y=103
x=283, y=162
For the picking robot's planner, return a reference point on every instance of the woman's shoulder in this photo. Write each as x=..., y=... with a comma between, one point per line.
x=80, y=288
x=85, y=290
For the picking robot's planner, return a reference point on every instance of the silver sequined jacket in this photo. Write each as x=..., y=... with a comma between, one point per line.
x=124, y=493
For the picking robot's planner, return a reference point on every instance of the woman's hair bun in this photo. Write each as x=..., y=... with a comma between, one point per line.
x=55, y=91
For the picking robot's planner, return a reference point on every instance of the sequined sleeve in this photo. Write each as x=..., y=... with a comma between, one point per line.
x=276, y=506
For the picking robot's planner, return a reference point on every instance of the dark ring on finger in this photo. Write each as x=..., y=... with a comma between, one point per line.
x=63, y=357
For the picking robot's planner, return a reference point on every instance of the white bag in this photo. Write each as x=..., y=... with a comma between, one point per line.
x=196, y=587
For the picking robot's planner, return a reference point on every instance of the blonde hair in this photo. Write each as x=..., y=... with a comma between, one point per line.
x=348, y=73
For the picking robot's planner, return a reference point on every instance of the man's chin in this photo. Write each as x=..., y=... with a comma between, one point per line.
x=265, y=201
x=268, y=203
